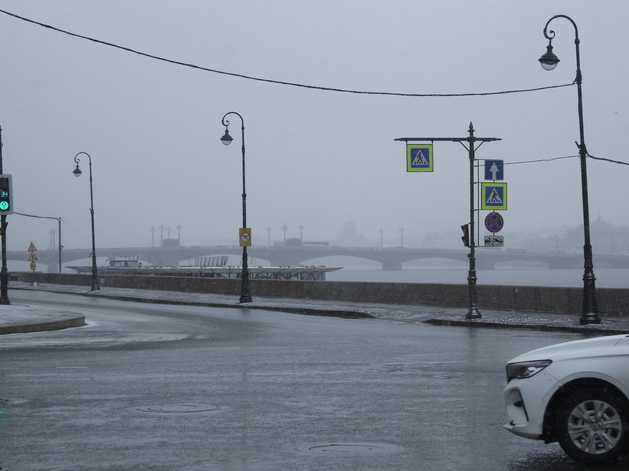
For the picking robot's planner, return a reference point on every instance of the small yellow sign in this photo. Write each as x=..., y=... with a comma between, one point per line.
x=245, y=237
x=33, y=266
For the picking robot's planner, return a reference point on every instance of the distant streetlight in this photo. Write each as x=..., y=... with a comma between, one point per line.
x=284, y=228
x=549, y=61
x=268, y=229
x=301, y=232
x=245, y=293
x=77, y=173
x=381, y=232
x=402, y=237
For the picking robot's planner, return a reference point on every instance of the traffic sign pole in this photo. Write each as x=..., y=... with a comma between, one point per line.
x=4, y=272
x=472, y=142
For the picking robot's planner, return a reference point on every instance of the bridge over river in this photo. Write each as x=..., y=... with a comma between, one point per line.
x=390, y=258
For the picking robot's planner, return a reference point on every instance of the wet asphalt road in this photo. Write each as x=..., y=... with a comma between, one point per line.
x=150, y=387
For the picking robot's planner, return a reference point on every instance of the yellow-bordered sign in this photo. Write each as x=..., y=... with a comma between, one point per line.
x=419, y=158
x=493, y=196
x=244, y=235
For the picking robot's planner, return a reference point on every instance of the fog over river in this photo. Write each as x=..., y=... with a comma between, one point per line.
x=456, y=273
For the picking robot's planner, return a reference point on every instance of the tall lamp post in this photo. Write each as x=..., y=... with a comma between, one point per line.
x=245, y=292
x=549, y=61
x=77, y=173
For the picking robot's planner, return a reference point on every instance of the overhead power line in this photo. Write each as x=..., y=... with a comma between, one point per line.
x=609, y=160
x=280, y=82
x=566, y=157
x=541, y=160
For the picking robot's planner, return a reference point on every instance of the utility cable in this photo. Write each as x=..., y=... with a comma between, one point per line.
x=566, y=157
x=608, y=160
x=39, y=217
x=281, y=82
x=541, y=160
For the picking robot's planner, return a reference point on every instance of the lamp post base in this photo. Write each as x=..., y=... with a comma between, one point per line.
x=589, y=318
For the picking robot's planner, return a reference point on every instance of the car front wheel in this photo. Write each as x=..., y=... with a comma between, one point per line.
x=593, y=426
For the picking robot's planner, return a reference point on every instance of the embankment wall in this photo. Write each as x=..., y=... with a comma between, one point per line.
x=509, y=298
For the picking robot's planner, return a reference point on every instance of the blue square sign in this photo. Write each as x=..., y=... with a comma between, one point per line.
x=493, y=196
x=494, y=170
x=419, y=158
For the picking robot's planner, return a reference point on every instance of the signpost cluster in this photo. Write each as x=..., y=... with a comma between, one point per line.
x=493, y=197
x=32, y=257
x=419, y=158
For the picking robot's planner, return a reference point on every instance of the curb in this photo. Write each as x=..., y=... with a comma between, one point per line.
x=341, y=313
x=345, y=314
x=539, y=327
x=77, y=321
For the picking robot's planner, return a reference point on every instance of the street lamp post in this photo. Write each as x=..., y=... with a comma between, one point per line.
x=402, y=237
x=77, y=173
x=549, y=61
x=245, y=292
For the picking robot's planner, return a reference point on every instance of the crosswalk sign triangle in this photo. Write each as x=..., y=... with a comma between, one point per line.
x=494, y=197
x=420, y=159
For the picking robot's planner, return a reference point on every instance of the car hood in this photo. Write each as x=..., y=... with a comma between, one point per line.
x=574, y=349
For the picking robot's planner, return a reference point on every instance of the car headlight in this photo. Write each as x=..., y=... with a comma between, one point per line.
x=525, y=369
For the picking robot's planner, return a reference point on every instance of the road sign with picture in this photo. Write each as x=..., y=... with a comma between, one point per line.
x=419, y=158
x=493, y=196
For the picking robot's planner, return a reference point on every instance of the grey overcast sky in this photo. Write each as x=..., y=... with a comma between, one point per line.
x=314, y=158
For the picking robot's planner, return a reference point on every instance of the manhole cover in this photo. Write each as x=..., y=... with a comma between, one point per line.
x=177, y=408
x=346, y=449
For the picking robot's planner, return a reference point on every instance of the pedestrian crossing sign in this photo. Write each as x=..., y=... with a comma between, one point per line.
x=493, y=196
x=419, y=158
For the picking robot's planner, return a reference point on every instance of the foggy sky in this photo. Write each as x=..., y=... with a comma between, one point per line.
x=314, y=158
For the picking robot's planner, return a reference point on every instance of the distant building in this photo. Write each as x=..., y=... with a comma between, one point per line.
x=170, y=243
x=349, y=237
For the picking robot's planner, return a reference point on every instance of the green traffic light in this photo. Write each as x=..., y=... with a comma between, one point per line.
x=4, y=205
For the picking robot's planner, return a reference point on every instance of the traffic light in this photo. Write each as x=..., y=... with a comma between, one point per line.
x=466, y=234
x=6, y=195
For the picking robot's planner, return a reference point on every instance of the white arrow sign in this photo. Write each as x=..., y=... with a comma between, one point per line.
x=493, y=170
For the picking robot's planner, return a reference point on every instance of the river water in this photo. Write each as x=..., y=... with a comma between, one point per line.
x=435, y=271
x=456, y=273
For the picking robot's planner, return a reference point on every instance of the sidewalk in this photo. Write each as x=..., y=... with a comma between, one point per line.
x=17, y=318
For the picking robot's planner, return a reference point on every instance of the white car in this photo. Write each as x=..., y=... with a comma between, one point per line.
x=574, y=393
